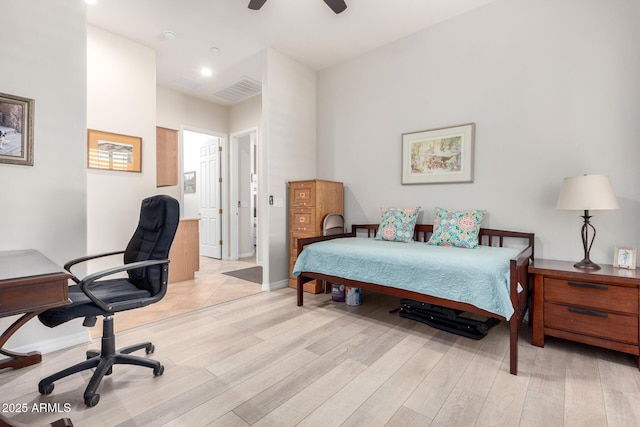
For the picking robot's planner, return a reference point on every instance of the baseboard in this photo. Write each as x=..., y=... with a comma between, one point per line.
x=247, y=254
x=54, y=344
x=277, y=285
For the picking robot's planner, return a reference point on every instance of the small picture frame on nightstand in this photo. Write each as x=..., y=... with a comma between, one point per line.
x=625, y=257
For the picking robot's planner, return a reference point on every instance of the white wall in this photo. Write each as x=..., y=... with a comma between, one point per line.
x=176, y=110
x=245, y=241
x=553, y=89
x=288, y=151
x=121, y=98
x=244, y=116
x=43, y=53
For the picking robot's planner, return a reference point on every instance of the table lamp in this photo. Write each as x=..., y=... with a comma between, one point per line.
x=585, y=193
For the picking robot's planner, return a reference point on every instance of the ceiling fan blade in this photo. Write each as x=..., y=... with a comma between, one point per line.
x=336, y=5
x=256, y=4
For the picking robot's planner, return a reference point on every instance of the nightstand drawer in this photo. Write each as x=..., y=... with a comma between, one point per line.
x=595, y=323
x=592, y=295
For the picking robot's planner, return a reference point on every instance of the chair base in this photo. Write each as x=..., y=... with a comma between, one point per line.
x=103, y=362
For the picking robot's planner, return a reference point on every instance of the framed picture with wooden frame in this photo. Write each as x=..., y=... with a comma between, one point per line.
x=113, y=151
x=438, y=156
x=16, y=130
x=625, y=257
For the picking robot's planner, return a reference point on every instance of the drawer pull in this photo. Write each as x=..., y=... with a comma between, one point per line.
x=589, y=285
x=587, y=312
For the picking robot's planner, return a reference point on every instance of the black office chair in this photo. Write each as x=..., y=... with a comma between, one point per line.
x=147, y=264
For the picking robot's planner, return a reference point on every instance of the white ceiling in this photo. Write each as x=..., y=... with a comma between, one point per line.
x=304, y=30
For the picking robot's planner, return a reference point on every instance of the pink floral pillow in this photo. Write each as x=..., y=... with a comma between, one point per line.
x=456, y=228
x=397, y=224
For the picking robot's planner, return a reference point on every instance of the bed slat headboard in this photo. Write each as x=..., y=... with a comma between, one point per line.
x=422, y=233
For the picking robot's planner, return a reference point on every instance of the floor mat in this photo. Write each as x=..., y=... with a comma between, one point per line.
x=252, y=274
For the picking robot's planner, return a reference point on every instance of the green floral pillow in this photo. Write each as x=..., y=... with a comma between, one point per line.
x=456, y=228
x=397, y=224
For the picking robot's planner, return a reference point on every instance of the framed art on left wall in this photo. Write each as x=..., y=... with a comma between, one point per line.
x=16, y=129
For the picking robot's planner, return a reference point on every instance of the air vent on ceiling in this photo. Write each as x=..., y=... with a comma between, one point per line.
x=241, y=90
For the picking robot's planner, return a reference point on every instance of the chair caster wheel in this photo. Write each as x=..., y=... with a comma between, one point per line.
x=92, y=400
x=45, y=388
x=150, y=349
x=158, y=371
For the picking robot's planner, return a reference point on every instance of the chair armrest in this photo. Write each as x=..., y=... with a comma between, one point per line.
x=73, y=262
x=90, y=280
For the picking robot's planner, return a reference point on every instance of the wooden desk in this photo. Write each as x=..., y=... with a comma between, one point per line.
x=30, y=283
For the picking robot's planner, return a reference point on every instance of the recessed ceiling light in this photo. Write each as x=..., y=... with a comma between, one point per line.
x=206, y=72
x=169, y=35
x=91, y=1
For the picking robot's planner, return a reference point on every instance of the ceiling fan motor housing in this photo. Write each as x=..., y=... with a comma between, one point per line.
x=336, y=5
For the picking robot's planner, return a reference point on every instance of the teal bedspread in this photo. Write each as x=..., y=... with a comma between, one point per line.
x=476, y=276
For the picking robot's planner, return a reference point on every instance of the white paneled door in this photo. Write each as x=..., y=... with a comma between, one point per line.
x=210, y=197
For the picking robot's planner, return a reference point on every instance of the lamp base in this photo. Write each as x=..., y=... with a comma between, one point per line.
x=587, y=264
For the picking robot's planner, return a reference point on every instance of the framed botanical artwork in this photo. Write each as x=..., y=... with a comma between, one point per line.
x=16, y=129
x=625, y=257
x=113, y=151
x=438, y=155
x=189, y=182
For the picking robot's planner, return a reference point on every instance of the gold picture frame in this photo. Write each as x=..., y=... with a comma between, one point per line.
x=16, y=129
x=438, y=156
x=625, y=257
x=113, y=151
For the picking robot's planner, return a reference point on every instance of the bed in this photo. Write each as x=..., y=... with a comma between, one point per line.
x=491, y=280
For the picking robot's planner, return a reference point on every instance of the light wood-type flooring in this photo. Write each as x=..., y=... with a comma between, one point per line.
x=209, y=287
x=261, y=360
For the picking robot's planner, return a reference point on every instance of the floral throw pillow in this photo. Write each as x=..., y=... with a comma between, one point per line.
x=456, y=228
x=397, y=224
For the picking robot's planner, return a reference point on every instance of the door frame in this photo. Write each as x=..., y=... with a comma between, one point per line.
x=234, y=166
x=224, y=232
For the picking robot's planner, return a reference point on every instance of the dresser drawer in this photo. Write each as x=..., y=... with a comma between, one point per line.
x=293, y=241
x=303, y=194
x=592, y=295
x=303, y=219
x=615, y=327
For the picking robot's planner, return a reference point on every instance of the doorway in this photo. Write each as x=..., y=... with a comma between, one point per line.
x=201, y=162
x=244, y=195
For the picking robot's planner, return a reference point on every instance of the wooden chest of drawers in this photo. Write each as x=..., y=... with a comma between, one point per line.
x=309, y=203
x=593, y=307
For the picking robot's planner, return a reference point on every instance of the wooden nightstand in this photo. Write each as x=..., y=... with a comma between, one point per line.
x=593, y=307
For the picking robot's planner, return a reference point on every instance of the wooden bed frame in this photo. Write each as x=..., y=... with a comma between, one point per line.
x=488, y=237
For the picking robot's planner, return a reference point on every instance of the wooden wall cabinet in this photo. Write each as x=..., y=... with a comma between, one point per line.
x=309, y=203
x=166, y=157
x=185, y=251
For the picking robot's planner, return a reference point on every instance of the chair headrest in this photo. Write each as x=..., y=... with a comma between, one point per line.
x=158, y=211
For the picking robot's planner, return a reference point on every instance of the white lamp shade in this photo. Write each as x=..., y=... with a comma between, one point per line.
x=587, y=192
